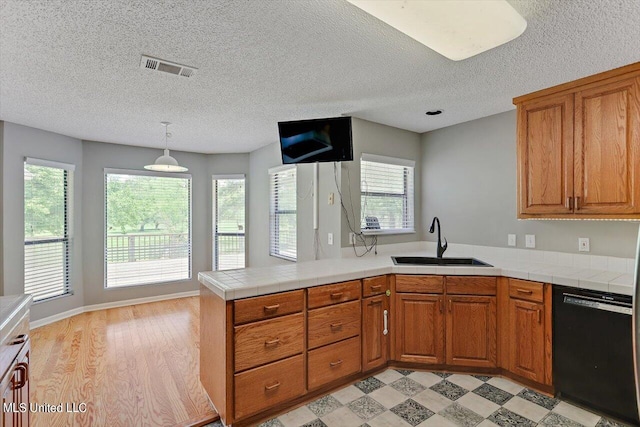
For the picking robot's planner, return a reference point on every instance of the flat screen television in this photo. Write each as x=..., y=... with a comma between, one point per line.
x=319, y=140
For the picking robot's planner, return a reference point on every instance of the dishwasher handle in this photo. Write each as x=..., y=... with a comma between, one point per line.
x=595, y=304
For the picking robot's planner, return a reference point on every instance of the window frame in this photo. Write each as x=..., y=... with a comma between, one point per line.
x=408, y=196
x=274, y=213
x=215, y=262
x=67, y=233
x=190, y=222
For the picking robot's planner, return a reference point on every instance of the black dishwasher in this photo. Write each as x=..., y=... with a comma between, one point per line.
x=593, y=351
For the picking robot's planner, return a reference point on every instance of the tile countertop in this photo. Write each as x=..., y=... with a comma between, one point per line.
x=12, y=308
x=248, y=282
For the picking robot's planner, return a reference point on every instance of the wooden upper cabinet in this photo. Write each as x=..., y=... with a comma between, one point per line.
x=607, y=148
x=579, y=148
x=419, y=328
x=545, y=153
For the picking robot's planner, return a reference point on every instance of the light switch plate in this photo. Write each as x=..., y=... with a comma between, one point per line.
x=352, y=238
x=583, y=244
x=331, y=198
x=530, y=240
x=511, y=239
x=330, y=238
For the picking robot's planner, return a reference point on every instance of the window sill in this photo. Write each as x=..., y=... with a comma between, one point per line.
x=387, y=232
x=286, y=258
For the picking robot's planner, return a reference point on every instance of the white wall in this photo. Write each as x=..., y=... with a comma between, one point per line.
x=469, y=181
x=20, y=142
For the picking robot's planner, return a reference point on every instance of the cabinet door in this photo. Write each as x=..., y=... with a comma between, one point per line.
x=545, y=156
x=471, y=331
x=419, y=328
x=526, y=352
x=9, y=402
x=375, y=332
x=607, y=149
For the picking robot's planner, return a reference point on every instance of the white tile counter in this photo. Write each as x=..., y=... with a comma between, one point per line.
x=549, y=267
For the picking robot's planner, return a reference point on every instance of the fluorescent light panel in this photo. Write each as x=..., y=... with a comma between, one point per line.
x=457, y=29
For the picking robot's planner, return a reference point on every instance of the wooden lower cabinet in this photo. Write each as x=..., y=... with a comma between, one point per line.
x=375, y=332
x=471, y=331
x=332, y=362
x=14, y=386
x=261, y=388
x=419, y=328
x=526, y=321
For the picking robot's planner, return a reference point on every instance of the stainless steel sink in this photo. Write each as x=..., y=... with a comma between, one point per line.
x=424, y=260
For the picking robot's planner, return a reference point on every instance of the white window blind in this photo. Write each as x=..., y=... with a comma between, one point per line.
x=283, y=213
x=47, y=228
x=147, y=228
x=386, y=195
x=228, y=222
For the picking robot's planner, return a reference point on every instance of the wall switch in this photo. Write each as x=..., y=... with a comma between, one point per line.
x=331, y=198
x=530, y=240
x=352, y=238
x=583, y=244
x=330, y=238
x=511, y=239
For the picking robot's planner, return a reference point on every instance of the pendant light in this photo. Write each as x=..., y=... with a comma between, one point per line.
x=166, y=163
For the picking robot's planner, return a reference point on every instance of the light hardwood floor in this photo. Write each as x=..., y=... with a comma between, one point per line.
x=132, y=366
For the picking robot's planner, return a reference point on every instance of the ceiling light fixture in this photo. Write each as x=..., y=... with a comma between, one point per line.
x=457, y=29
x=166, y=163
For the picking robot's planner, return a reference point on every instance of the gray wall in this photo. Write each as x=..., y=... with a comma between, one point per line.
x=374, y=138
x=329, y=215
x=21, y=142
x=469, y=177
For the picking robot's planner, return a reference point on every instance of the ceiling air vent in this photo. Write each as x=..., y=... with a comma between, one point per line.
x=150, y=63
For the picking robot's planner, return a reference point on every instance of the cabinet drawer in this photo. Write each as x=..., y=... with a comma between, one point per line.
x=321, y=296
x=420, y=284
x=333, y=323
x=268, y=306
x=264, y=387
x=472, y=285
x=374, y=286
x=263, y=342
x=522, y=289
x=333, y=361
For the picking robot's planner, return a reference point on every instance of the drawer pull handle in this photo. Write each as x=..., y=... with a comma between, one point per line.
x=524, y=291
x=336, y=325
x=577, y=203
x=21, y=377
x=377, y=302
x=273, y=307
x=336, y=363
x=336, y=295
x=376, y=287
x=385, y=322
x=272, y=342
x=19, y=339
x=272, y=386
x=539, y=316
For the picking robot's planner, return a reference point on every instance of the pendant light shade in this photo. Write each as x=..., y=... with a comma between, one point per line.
x=166, y=163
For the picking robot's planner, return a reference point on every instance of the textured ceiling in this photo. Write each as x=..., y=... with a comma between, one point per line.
x=72, y=66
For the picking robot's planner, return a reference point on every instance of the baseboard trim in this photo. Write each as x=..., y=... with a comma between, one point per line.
x=115, y=304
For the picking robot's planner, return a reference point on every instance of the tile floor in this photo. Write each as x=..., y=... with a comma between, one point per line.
x=403, y=398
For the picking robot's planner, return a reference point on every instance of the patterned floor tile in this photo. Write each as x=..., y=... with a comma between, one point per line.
x=274, y=422
x=412, y=412
x=506, y=418
x=506, y=385
x=370, y=384
x=407, y=386
x=366, y=408
x=341, y=417
x=432, y=400
x=577, y=414
x=348, y=394
x=467, y=382
x=449, y=390
x=389, y=376
x=388, y=419
x=427, y=379
x=605, y=422
x=483, y=378
x=388, y=396
x=478, y=404
x=437, y=421
x=539, y=399
x=493, y=394
x=558, y=420
x=404, y=372
x=461, y=416
x=324, y=405
x=526, y=409
x=443, y=374
x=315, y=423
x=297, y=417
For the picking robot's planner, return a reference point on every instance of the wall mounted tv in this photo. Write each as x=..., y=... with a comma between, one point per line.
x=319, y=140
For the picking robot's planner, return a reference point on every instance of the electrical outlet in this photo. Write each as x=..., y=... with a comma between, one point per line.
x=331, y=198
x=330, y=238
x=352, y=238
x=530, y=240
x=511, y=239
x=583, y=244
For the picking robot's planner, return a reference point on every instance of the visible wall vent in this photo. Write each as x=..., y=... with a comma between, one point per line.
x=150, y=63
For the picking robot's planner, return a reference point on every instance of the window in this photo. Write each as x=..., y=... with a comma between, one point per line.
x=228, y=222
x=282, y=212
x=47, y=228
x=386, y=195
x=147, y=228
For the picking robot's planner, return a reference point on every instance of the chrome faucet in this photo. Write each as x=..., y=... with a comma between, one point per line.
x=441, y=248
